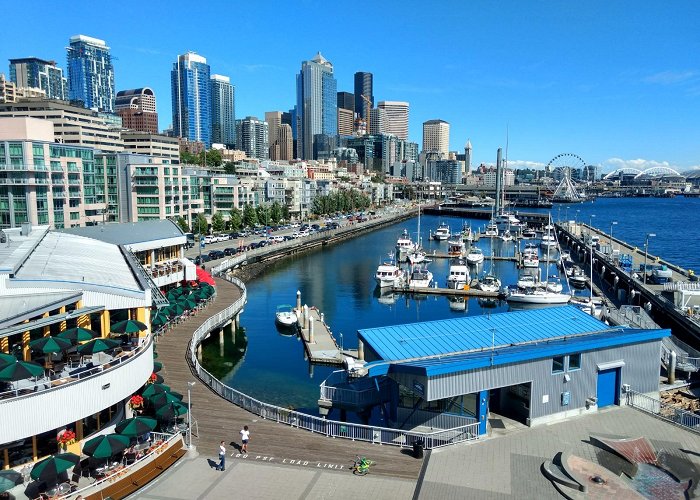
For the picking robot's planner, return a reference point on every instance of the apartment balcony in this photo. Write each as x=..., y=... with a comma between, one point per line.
x=35, y=407
x=144, y=182
x=13, y=181
x=58, y=195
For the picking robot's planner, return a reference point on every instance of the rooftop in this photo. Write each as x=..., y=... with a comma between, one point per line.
x=129, y=233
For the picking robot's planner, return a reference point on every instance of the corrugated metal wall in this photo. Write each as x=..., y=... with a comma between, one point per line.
x=641, y=372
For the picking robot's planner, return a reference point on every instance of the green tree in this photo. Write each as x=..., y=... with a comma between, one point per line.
x=285, y=212
x=200, y=224
x=276, y=212
x=218, y=223
x=236, y=219
x=189, y=159
x=230, y=168
x=214, y=158
x=250, y=217
x=263, y=213
x=183, y=224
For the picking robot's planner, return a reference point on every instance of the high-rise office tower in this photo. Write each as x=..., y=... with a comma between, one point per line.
x=274, y=121
x=436, y=136
x=191, y=98
x=377, y=121
x=395, y=118
x=346, y=121
x=137, y=107
x=90, y=73
x=223, y=110
x=317, y=109
x=41, y=74
x=252, y=137
x=346, y=100
x=286, y=142
x=363, y=87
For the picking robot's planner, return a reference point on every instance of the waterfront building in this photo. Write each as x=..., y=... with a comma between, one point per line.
x=73, y=125
x=396, y=118
x=252, y=137
x=346, y=121
x=137, y=109
x=377, y=121
x=489, y=177
x=157, y=145
x=191, y=98
x=364, y=86
x=436, y=136
x=317, y=116
x=223, y=111
x=38, y=73
x=90, y=73
x=446, y=171
x=534, y=366
x=346, y=100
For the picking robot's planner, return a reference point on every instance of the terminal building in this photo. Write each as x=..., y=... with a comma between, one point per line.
x=533, y=367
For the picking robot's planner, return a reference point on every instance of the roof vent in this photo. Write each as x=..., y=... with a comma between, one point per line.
x=26, y=229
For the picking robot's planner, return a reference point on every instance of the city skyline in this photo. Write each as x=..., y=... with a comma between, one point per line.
x=615, y=89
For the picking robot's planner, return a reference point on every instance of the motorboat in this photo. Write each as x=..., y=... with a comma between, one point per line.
x=594, y=307
x=442, y=233
x=389, y=274
x=489, y=283
x=578, y=278
x=467, y=233
x=526, y=282
x=548, y=240
x=420, y=277
x=458, y=275
x=455, y=248
x=416, y=257
x=475, y=256
x=491, y=231
x=553, y=284
x=506, y=235
x=506, y=220
x=537, y=296
x=404, y=245
x=528, y=234
x=286, y=316
x=531, y=256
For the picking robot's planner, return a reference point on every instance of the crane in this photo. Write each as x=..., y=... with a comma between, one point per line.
x=368, y=107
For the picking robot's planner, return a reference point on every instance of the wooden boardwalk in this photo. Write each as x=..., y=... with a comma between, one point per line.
x=322, y=349
x=218, y=419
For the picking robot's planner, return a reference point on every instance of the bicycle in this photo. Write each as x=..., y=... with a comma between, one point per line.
x=361, y=466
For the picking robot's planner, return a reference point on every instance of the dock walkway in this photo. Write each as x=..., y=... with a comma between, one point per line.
x=218, y=419
x=320, y=345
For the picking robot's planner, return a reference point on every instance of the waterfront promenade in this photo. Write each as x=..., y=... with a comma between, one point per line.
x=218, y=419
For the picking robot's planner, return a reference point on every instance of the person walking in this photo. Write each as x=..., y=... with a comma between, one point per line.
x=245, y=437
x=222, y=457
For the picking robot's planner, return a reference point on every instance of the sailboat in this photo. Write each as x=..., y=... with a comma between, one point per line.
x=417, y=255
x=489, y=282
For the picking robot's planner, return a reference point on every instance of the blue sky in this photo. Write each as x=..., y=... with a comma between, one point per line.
x=614, y=82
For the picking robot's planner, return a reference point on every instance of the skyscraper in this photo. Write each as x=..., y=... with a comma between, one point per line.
x=41, y=74
x=274, y=121
x=191, y=98
x=436, y=136
x=377, y=121
x=286, y=142
x=137, y=108
x=317, y=111
x=395, y=118
x=252, y=137
x=90, y=73
x=223, y=110
x=363, y=87
x=346, y=100
x=346, y=121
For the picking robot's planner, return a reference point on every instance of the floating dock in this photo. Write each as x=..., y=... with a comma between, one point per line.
x=319, y=343
x=466, y=292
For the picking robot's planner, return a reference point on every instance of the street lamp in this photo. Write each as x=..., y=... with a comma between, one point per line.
x=189, y=414
x=590, y=226
x=646, y=252
x=577, y=212
x=613, y=223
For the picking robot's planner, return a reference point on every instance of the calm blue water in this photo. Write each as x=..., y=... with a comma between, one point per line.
x=339, y=281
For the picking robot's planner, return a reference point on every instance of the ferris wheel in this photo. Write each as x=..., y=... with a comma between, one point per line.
x=566, y=161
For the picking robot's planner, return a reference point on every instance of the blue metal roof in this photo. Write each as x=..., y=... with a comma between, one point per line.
x=473, y=333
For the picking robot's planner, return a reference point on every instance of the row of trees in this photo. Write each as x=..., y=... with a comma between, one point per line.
x=340, y=201
x=238, y=219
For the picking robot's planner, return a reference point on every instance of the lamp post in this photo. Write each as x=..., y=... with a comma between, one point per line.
x=646, y=252
x=189, y=414
x=613, y=223
x=577, y=212
x=341, y=342
x=590, y=224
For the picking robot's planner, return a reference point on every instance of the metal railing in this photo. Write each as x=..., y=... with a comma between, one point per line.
x=667, y=412
x=330, y=428
x=687, y=358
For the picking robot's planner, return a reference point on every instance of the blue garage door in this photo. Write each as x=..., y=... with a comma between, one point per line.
x=608, y=387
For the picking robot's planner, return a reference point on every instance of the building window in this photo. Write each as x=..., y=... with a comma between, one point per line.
x=574, y=362
x=558, y=364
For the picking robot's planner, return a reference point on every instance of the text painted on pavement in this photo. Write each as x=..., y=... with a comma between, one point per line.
x=289, y=461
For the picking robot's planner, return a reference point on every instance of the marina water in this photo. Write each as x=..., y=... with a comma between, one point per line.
x=339, y=280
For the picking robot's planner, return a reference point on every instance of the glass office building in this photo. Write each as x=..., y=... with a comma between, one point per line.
x=191, y=94
x=223, y=111
x=90, y=73
x=317, y=111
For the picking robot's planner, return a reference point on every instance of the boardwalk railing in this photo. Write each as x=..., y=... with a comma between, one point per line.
x=329, y=428
x=664, y=411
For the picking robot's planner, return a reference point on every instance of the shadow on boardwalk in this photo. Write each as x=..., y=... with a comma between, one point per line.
x=220, y=420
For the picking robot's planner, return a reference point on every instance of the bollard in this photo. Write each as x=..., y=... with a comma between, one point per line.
x=322, y=318
x=672, y=368
x=311, y=331
x=221, y=336
x=306, y=316
x=298, y=301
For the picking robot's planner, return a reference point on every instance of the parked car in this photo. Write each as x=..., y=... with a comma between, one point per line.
x=216, y=254
x=209, y=239
x=230, y=251
x=198, y=261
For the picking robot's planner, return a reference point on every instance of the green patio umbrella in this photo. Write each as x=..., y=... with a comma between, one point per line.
x=51, y=467
x=78, y=334
x=106, y=446
x=159, y=319
x=136, y=426
x=171, y=410
x=163, y=399
x=159, y=379
x=50, y=344
x=188, y=303
x=173, y=293
x=175, y=309
x=20, y=370
x=154, y=389
x=128, y=326
x=7, y=359
x=157, y=366
x=155, y=354
x=9, y=479
x=98, y=345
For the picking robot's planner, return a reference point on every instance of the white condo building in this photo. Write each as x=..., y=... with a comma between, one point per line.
x=436, y=136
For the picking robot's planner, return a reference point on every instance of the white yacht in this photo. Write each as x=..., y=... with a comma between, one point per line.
x=286, y=316
x=578, y=278
x=527, y=282
x=531, y=256
x=548, y=240
x=506, y=235
x=467, y=233
x=442, y=233
x=416, y=257
x=491, y=231
x=489, y=283
x=537, y=296
x=553, y=284
x=458, y=275
x=404, y=245
x=475, y=255
x=455, y=248
x=506, y=220
x=528, y=234
x=389, y=274
x=420, y=277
